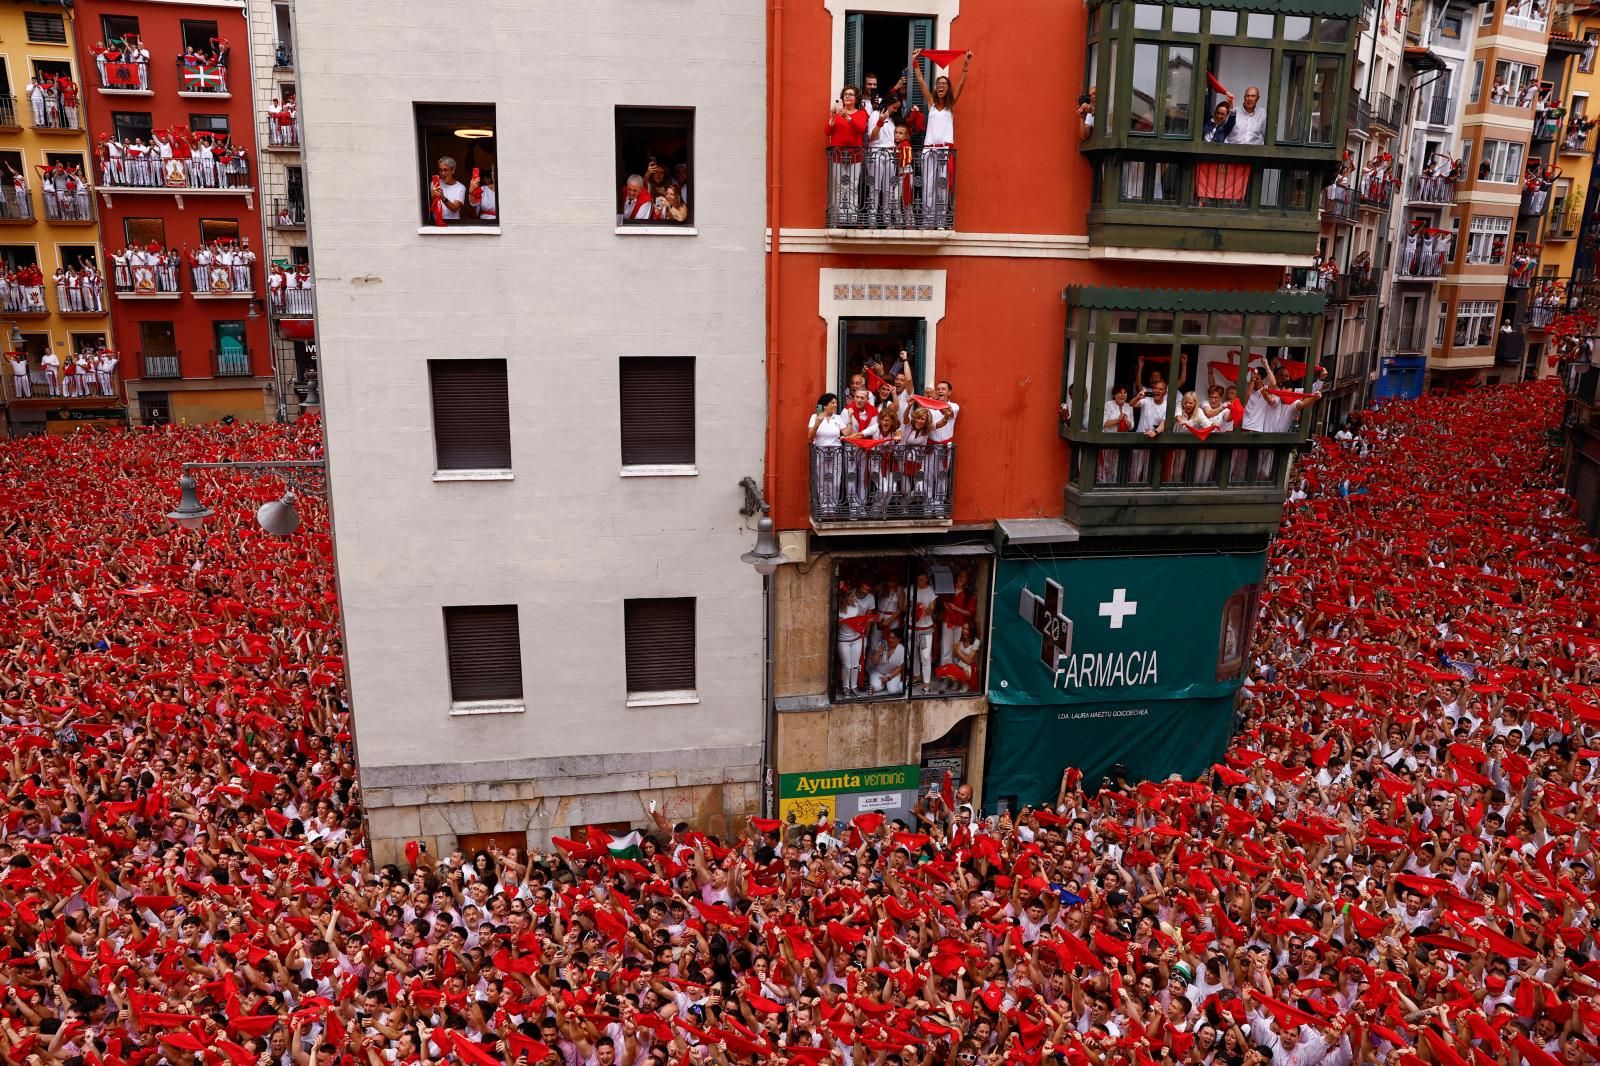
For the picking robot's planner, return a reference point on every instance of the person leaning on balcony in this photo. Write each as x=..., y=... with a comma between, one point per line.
x=847, y=133
x=1250, y=121
x=1258, y=380
x=1086, y=114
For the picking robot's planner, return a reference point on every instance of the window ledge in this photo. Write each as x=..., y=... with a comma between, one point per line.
x=476, y=231
x=474, y=475
x=683, y=230
x=674, y=698
x=661, y=470
x=469, y=708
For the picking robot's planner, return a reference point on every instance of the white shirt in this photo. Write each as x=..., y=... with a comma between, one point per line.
x=829, y=430
x=925, y=599
x=943, y=434
x=886, y=663
x=453, y=191
x=1151, y=412
x=1255, y=411
x=941, y=128
x=884, y=138
x=1115, y=412
x=1249, y=127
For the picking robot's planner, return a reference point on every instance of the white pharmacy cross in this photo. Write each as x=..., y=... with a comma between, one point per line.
x=1118, y=607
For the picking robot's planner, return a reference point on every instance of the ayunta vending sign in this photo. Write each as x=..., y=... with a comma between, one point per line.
x=843, y=794
x=1099, y=661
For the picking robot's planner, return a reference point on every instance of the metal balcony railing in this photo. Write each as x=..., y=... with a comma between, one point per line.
x=1359, y=112
x=1540, y=316
x=288, y=213
x=1578, y=136
x=1389, y=110
x=62, y=205
x=1411, y=339
x=283, y=131
x=197, y=76
x=16, y=205
x=8, y=110
x=868, y=188
x=299, y=302
x=163, y=365
x=230, y=363
x=146, y=279
x=59, y=383
x=283, y=55
x=1534, y=201
x=1520, y=279
x=1364, y=284
x=222, y=279
x=1547, y=124
x=23, y=300
x=145, y=172
x=889, y=483
x=1430, y=189
x=1377, y=193
x=1339, y=204
x=1439, y=110
x=52, y=112
x=122, y=75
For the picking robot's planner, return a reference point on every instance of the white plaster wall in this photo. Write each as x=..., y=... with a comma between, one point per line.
x=560, y=296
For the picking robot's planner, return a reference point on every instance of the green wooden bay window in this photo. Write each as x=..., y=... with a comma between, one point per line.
x=1177, y=481
x=1158, y=72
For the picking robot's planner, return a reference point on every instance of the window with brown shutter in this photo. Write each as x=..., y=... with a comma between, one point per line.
x=45, y=28
x=659, y=634
x=471, y=414
x=485, y=651
x=657, y=410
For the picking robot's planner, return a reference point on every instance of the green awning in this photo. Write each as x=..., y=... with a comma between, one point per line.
x=1214, y=300
x=1347, y=9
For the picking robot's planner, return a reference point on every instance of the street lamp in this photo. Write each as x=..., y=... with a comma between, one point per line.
x=766, y=557
x=190, y=512
x=278, y=517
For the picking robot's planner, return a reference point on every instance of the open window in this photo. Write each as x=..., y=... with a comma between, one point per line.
x=199, y=35
x=655, y=165
x=458, y=183
x=878, y=48
x=908, y=627
x=874, y=351
x=130, y=126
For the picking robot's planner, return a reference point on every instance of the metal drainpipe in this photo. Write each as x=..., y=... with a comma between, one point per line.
x=770, y=473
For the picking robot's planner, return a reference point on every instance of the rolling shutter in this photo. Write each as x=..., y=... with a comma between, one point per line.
x=657, y=409
x=660, y=644
x=471, y=414
x=485, y=650
x=45, y=29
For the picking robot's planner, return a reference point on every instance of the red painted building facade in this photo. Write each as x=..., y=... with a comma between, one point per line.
x=1033, y=261
x=192, y=336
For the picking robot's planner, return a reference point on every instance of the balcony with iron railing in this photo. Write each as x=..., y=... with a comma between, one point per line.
x=1412, y=339
x=1364, y=284
x=1547, y=124
x=16, y=204
x=296, y=302
x=124, y=77
x=283, y=55
x=8, y=112
x=1377, y=193
x=1533, y=202
x=1422, y=257
x=24, y=301
x=1577, y=137
x=1540, y=316
x=1430, y=189
x=881, y=484
x=69, y=207
x=198, y=78
x=52, y=114
x=145, y=174
x=869, y=190
x=1389, y=111
x=1339, y=205
x=1440, y=110
x=230, y=363
x=59, y=387
x=147, y=281
x=283, y=131
x=160, y=365
x=289, y=212
x=1358, y=113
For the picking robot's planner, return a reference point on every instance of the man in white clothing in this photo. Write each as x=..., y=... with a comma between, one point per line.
x=52, y=372
x=21, y=387
x=1151, y=407
x=1250, y=121
x=941, y=457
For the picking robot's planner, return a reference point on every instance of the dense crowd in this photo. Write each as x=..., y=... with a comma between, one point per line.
x=1392, y=865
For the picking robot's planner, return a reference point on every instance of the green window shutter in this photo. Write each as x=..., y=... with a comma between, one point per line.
x=921, y=37
x=853, y=25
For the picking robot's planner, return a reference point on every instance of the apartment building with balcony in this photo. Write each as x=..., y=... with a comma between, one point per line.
x=541, y=390
x=170, y=110
x=1044, y=588
x=48, y=223
x=290, y=296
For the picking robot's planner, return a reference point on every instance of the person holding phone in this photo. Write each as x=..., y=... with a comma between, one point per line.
x=824, y=432
x=447, y=195
x=847, y=134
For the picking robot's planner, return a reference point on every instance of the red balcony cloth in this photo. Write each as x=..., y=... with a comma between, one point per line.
x=1222, y=181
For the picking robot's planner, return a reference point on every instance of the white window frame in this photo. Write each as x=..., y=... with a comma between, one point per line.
x=1481, y=235
x=1472, y=318
x=1505, y=161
